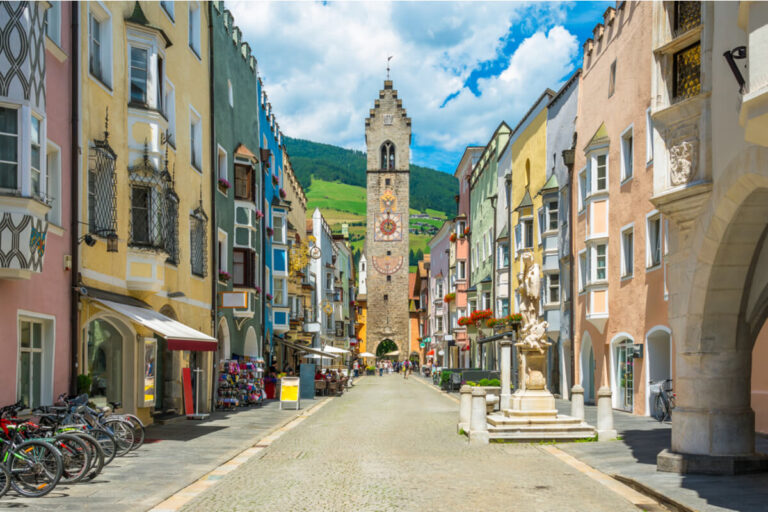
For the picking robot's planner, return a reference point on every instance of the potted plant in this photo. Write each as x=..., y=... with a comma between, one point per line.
x=224, y=275
x=224, y=184
x=258, y=290
x=452, y=238
x=466, y=231
x=270, y=231
x=268, y=296
x=259, y=214
x=449, y=297
x=282, y=193
x=275, y=180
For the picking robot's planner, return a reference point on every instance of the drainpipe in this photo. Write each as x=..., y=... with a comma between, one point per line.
x=74, y=212
x=469, y=266
x=493, y=200
x=214, y=187
x=568, y=156
x=510, y=268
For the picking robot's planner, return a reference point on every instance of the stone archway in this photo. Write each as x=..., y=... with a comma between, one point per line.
x=720, y=277
x=386, y=345
x=587, y=368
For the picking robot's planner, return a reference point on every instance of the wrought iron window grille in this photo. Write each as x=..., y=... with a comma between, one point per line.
x=102, y=185
x=198, y=222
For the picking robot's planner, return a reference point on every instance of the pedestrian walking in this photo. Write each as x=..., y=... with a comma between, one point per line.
x=381, y=368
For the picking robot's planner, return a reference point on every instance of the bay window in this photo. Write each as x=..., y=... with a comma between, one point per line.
x=243, y=268
x=552, y=215
x=553, y=288
x=139, y=73
x=281, y=292
x=601, y=173
x=654, y=241
x=600, y=258
x=243, y=182
x=9, y=148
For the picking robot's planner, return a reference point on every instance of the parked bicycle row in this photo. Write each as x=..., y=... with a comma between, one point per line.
x=66, y=443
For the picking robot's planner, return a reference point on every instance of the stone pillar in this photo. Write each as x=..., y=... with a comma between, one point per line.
x=478, y=426
x=506, y=374
x=465, y=408
x=605, y=430
x=577, y=402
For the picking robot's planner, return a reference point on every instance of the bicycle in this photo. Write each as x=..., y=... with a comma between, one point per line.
x=664, y=403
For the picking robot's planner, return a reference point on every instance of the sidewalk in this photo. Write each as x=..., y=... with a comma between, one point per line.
x=174, y=456
x=634, y=457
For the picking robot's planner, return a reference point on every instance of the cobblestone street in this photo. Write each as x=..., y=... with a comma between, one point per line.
x=390, y=444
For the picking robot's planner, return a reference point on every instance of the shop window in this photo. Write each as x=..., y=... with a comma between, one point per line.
x=9, y=148
x=104, y=362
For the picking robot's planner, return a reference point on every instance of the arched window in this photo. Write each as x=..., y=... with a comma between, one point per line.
x=388, y=155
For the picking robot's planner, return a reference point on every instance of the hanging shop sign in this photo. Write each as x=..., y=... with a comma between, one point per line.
x=289, y=392
x=233, y=300
x=147, y=395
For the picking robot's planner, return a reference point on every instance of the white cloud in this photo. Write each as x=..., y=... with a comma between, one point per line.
x=323, y=65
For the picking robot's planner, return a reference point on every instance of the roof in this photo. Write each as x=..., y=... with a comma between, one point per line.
x=567, y=85
x=548, y=93
x=244, y=151
x=504, y=234
x=412, y=285
x=551, y=183
x=310, y=228
x=526, y=201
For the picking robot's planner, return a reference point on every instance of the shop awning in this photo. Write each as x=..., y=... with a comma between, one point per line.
x=302, y=348
x=329, y=349
x=431, y=352
x=178, y=335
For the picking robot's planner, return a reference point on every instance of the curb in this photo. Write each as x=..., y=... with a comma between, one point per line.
x=433, y=388
x=638, y=499
x=187, y=493
x=666, y=501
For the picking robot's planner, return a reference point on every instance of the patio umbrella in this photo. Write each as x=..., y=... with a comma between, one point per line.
x=367, y=354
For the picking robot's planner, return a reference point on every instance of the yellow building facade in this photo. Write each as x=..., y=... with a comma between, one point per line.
x=145, y=181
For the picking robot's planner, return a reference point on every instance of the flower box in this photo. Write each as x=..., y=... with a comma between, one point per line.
x=449, y=297
x=270, y=231
x=268, y=296
x=224, y=184
x=224, y=275
x=466, y=231
x=275, y=179
x=452, y=238
x=282, y=193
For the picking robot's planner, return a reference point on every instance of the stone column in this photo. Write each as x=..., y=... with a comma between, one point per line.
x=465, y=408
x=577, y=402
x=605, y=430
x=478, y=426
x=506, y=374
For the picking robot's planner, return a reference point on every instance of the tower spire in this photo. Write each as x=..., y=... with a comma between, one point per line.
x=388, y=59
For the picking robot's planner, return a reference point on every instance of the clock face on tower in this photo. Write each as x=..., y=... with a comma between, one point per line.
x=387, y=265
x=388, y=227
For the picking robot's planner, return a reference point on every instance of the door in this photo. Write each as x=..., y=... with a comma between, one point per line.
x=625, y=375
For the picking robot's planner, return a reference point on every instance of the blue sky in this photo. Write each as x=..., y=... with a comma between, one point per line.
x=460, y=67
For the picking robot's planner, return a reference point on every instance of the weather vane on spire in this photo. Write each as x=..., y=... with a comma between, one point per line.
x=388, y=59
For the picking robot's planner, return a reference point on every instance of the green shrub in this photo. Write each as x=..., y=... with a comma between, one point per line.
x=84, y=383
x=489, y=382
x=445, y=377
x=370, y=368
x=471, y=383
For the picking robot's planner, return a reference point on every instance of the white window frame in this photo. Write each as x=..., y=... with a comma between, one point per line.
x=583, y=189
x=627, y=153
x=42, y=153
x=47, y=351
x=486, y=300
x=489, y=243
x=53, y=183
x=196, y=147
x=594, y=174
x=542, y=219
x=648, y=137
x=595, y=262
x=223, y=238
x=548, y=286
x=550, y=212
x=53, y=23
x=283, y=238
x=523, y=223
x=194, y=28
x=222, y=170
x=281, y=290
x=99, y=12
x=627, y=273
x=461, y=270
x=168, y=9
x=169, y=106
x=649, y=218
x=501, y=249
x=19, y=135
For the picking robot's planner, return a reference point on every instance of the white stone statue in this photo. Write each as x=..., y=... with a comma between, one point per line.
x=681, y=160
x=533, y=333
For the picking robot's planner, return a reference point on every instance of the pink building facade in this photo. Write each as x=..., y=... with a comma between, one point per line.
x=35, y=211
x=622, y=338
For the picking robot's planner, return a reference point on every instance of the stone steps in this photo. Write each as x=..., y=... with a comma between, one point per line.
x=498, y=420
x=537, y=427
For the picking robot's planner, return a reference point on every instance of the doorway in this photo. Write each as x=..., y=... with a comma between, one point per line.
x=587, y=367
x=658, y=346
x=624, y=374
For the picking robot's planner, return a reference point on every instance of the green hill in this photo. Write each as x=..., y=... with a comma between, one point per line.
x=334, y=181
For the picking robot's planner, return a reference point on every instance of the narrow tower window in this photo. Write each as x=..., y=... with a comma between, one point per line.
x=387, y=155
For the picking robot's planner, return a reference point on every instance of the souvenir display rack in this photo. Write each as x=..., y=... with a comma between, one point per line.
x=241, y=384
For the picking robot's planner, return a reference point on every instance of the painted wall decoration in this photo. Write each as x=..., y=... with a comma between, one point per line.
x=22, y=242
x=387, y=264
x=389, y=227
x=388, y=201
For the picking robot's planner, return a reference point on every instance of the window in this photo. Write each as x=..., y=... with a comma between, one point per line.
x=654, y=241
x=439, y=290
x=627, y=154
x=194, y=27
x=35, y=167
x=387, y=181
x=687, y=15
x=196, y=140
x=686, y=72
x=489, y=243
x=9, y=148
x=387, y=155
x=600, y=261
x=243, y=182
x=329, y=281
x=461, y=267
x=583, y=189
x=502, y=307
x=474, y=256
x=243, y=268
x=101, y=188
x=230, y=94
x=223, y=248
x=386, y=297
x=439, y=324
x=30, y=376
x=527, y=233
x=168, y=7
x=601, y=172
x=221, y=166
x=197, y=237
x=503, y=261
x=53, y=183
x=552, y=213
x=612, y=79
x=278, y=225
x=281, y=292
x=648, y=136
x=389, y=279
x=53, y=22
x=169, y=106
x=553, y=288
x=486, y=300
x=140, y=215
x=460, y=228
x=100, y=44
x=583, y=270
x=627, y=252
x=139, y=75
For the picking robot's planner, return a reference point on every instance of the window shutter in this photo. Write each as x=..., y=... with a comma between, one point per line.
x=542, y=221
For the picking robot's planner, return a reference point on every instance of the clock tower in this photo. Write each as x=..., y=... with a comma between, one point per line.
x=388, y=141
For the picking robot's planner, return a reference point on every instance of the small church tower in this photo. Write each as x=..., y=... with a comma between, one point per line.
x=388, y=141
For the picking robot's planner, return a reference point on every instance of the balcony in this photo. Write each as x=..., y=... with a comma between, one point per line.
x=23, y=230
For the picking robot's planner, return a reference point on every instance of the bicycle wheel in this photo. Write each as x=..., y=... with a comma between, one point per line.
x=659, y=408
x=123, y=432
x=5, y=480
x=35, y=468
x=107, y=442
x=138, y=430
x=96, y=453
x=75, y=456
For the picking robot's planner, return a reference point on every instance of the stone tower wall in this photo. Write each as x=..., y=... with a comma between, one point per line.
x=387, y=256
